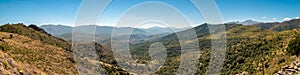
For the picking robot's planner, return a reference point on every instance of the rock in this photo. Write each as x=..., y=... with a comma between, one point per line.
x=284, y=67
x=283, y=73
x=298, y=69
x=280, y=71
x=11, y=62
x=21, y=72
x=294, y=62
x=245, y=73
x=291, y=66
x=295, y=67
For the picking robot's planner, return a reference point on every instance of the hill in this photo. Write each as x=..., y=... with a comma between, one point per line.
x=30, y=50
x=258, y=49
x=251, y=49
x=161, y=30
x=91, y=56
x=57, y=29
x=287, y=25
x=35, y=33
x=31, y=56
x=103, y=33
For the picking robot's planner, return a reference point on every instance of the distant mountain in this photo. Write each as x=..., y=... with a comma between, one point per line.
x=262, y=48
x=103, y=33
x=277, y=26
x=246, y=22
x=160, y=30
x=56, y=29
x=286, y=25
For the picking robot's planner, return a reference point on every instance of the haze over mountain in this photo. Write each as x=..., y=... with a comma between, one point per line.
x=161, y=30
x=276, y=26
x=100, y=30
x=103, y=33
x=251, y=49
x=262, y=37
x=57, y=29
x=246, y=22
x=104, y=30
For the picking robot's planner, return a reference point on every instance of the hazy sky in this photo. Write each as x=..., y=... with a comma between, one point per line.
x=64, y=11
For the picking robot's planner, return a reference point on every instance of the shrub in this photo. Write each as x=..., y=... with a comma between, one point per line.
x=294, y=46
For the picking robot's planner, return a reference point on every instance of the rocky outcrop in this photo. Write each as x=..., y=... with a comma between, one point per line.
x=291, y=69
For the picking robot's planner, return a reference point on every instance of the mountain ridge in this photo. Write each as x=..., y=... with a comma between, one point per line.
x=251, y=49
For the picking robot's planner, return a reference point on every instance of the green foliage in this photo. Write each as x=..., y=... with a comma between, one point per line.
x=249, y=49
x=294, y=46
x=4, y=47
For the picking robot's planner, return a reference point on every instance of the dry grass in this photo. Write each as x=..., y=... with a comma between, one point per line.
x=47, y=58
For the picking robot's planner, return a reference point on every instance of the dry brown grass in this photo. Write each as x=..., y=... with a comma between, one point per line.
x=43, y=57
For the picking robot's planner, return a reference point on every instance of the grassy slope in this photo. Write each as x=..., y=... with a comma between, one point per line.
x=47, y=54
x=40, y=35
x=39, y=56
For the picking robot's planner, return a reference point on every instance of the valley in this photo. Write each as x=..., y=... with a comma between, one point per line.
x=258, y=49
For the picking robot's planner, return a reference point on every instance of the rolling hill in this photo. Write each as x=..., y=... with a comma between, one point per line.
x=256, y=49
x=103, y=33
x=29, y=50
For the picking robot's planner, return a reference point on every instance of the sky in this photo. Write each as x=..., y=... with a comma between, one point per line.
x=64, y=12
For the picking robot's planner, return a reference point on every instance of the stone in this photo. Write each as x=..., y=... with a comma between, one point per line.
x=295, y=67
x=298, y=69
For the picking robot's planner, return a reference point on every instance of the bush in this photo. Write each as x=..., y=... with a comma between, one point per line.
x=294, y=46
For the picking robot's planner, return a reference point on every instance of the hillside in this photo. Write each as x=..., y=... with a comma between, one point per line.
x=30, y=50
x=36, y=56
x=250, y=49
x=287, y=25
x=35, y=33
x=91, y=55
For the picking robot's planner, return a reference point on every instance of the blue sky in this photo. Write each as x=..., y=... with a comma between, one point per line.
x=64, y=11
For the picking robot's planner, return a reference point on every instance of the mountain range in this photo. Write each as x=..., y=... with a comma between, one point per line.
x=57, y=30
x=262, y=48
x=246, y=22
x=103, y=33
